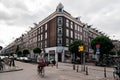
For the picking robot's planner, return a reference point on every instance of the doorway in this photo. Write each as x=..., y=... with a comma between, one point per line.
x=59, y=57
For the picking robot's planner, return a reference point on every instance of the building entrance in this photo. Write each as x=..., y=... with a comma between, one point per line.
x=59, y=57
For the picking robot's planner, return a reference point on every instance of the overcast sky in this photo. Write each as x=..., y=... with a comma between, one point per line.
x=16, y=16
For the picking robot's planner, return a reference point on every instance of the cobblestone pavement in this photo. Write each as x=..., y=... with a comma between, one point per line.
x=64, y=72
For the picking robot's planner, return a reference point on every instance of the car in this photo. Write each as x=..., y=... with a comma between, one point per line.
x=26, y=59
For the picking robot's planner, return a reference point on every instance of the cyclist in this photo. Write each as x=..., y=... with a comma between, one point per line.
x=41, y=64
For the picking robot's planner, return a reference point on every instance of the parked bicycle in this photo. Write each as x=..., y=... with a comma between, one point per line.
x=116, y=72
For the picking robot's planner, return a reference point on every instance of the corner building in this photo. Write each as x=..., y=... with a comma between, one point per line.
x=56, y=32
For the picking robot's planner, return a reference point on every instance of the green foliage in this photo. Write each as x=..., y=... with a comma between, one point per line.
x=25, y=52
x=73, y=47
x=37, y=50
x=11, y=54
x=118, y=53
x=19, y=53
x=105, y=44
x=105, y=47
x=112, y=52
x=1, y=47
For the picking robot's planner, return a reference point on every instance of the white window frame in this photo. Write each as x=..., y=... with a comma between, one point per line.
x=67, y=32
x=71, y=25
x=45, y=35
x=46, y=26
x=60, y=21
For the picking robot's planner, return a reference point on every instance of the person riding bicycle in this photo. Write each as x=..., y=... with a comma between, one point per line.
x=41, y=63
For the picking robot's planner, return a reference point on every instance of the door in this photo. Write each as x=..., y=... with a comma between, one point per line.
x=59, y=57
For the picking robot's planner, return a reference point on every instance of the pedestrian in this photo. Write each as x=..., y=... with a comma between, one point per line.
x=1, y=65
x=12, y=62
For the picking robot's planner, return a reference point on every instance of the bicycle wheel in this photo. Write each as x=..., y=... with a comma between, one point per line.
x=42, y=71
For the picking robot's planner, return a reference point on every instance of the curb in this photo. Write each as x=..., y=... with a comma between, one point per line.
x=11, y=70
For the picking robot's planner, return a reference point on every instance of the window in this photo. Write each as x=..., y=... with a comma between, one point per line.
x=84, y=34
x=46, y=35
x=71, y=25
x=41, y=37
x=71, y=41
x=71, y=33
x=59, y=41
x=45, y=43
x=75, y=26
x=80, y=29
x=60, y=9
x=60, y=21
x=67, y=42
x=67, y=23
x=41, y=29
x=75, y=35
x=67, y=32
x=59, y=30
x=41, y=45
x=45, y=26
x=80, y=37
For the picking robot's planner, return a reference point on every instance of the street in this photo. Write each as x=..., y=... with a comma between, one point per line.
x=64, y=72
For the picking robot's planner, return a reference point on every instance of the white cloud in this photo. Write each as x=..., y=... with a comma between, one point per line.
x=19, y=14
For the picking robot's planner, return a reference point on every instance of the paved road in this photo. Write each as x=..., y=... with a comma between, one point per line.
x=64, y=72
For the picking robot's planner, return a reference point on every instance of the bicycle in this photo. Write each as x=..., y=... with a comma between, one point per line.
x=41, y=69
x=116, y=73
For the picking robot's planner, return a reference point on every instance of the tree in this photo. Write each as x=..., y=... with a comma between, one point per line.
x=19, y=53
x=25, y=52
x=73, y=48
x=105, y=46
x=37, y=50
x=118, y=53
x=1, y=47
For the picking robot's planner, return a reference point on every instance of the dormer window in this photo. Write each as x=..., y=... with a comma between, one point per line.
x=60, y=8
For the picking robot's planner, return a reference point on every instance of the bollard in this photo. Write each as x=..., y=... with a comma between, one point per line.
x=77, y=68
x=86, y=70
x=73, y=66
x=57, y=65
x=105, y=72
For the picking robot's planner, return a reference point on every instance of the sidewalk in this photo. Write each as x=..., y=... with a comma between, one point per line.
x=94, y=72
x=10, y=69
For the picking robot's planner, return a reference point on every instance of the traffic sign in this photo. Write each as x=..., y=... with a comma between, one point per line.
x=80, y=48
x=98, y=46
x=97, y=50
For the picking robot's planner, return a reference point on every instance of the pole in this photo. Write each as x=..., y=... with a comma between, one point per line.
x=84, y=61
x=74, y=62
x=86, y=70
x=81, y=61
x=105, y=72
x=57, y=65
x=77, y=67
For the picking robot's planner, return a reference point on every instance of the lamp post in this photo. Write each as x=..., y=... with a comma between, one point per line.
x=81, y=50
